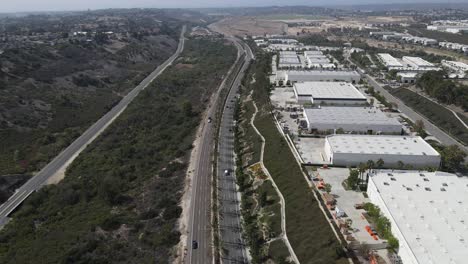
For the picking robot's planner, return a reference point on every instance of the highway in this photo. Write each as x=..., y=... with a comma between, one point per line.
x=233, y=247
x=38, y=180
x=200, y=204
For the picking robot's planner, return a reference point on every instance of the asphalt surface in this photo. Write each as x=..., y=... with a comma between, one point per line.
x=200, y=204
x=430, y=127
x=38, y=180
x=233, y=247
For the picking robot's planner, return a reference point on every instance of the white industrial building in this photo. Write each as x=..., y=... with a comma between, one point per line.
x=390, y=62
x=408, y=77
x=419, y=64
x=331, y=93
x=282, y=77
x=290, y=60
x=457, y=68
x=369, y=120
x=351, y=150
x=428, y=213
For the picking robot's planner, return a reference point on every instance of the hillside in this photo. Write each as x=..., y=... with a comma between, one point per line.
x=59, y=74
x=119, y=200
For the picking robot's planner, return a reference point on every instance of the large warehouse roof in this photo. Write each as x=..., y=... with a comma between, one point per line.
x=418, y=61
x=328, y=90
x=323, y=73
x=349, y=115
x=391, y=145
x=389, y=60
x=430, y=210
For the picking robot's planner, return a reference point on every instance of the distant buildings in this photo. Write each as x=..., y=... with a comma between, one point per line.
x=418, y=64
x=458, y=69
x=449, y=26
x=329, y=93
x=351, y=150
x=407, y=63
x=366, y=120
x=403, y=37
x=428, y=213
x=292, y=76
x=289, y=60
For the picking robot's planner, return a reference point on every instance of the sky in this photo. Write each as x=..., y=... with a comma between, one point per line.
x=65, y=5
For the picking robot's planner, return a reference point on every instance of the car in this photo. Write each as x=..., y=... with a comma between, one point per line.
x=209, y=119
x=194, y=244
x=226, y=172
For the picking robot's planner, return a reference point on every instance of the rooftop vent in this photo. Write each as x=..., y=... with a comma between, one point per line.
x=393, y=179
x=443, y=189
x=427, y=189
x=444, y=184
x=408, y=189
x=422, y=175
x=426, y=179
x=386, y=183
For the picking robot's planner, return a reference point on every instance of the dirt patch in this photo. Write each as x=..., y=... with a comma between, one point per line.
x=184, y=66
x=251, y=26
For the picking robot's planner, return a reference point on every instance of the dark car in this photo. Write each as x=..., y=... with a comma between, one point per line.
x=194, y=244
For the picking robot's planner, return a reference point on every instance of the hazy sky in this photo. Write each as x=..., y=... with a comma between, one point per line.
x=57, y=5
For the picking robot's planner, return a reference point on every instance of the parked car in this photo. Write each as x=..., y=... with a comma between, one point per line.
x=194, y=244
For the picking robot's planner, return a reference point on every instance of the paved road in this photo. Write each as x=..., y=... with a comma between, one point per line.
x=430, y=127
x=200, y=205
x=234, y=250
x=38, y=180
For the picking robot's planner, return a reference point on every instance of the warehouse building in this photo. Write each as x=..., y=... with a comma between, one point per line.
x=407, y=77
x=428, y=214
x=289, y=60
x=331, y=93
x=458, y=69
x=282, y=77
x=365, y=120
x=351, y=150
x=390, y=62
x=419, y=64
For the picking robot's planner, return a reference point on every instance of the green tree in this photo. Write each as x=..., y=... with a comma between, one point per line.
x=328, y=187
x=400, y=165
x=380, y=163
x=353, y=179
x=452, y=157
x=393, y=244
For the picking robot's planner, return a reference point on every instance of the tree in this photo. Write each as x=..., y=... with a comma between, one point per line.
x=362, y=168
x=340, y=131
x=380, y=163
x=400, y=165
x=419, y=128
x=328, y=187
x=452, y=157
x=353, y=179
x=393, y=244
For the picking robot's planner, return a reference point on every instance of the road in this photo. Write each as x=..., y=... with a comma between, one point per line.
x=413, y=115
x=430, y=127
x=38, y=180
x=234, y=250
x=200, y=204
